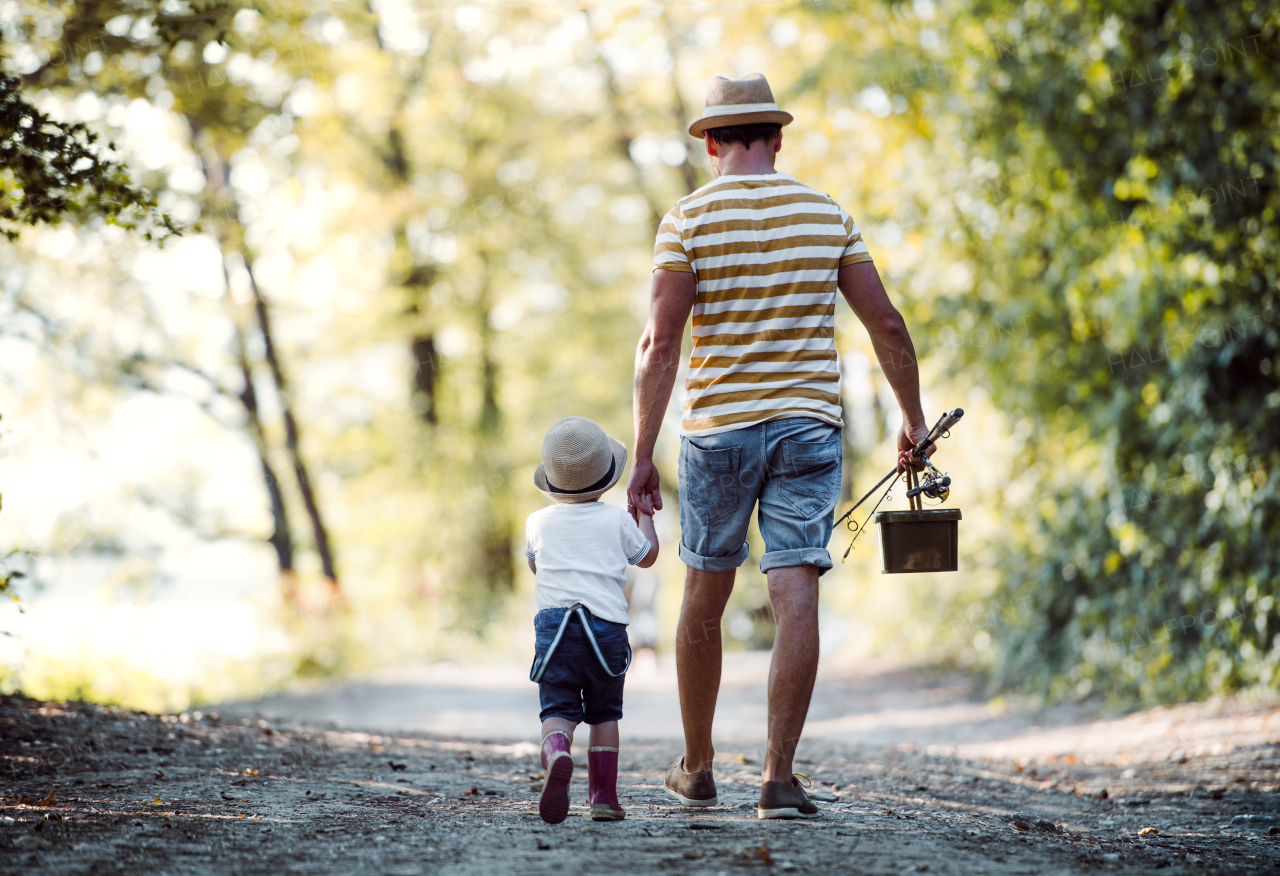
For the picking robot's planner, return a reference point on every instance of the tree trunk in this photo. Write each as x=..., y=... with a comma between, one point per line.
x=281, y=539
x=688, y=173
x=415, y=279
x=424, y=355
x=300, y=469
x=495, y=542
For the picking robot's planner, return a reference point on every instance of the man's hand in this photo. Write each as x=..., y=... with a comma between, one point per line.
x=642, y=492
x=907, y=438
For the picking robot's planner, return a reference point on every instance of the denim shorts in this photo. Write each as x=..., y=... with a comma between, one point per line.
x=791, y=467
x=575, y=686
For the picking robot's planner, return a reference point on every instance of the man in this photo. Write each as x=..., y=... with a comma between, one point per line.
x=756, y=257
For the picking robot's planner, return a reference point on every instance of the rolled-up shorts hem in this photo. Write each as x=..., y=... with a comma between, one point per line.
x=599, y=715
x=819, y=557
x=716, y=564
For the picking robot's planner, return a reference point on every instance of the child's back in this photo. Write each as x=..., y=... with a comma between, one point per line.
x=579, y=550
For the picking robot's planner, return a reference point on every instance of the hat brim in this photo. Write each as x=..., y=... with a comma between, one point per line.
x=771, y=117
x=619, y=466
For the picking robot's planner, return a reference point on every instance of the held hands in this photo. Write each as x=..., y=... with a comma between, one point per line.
x=642, y=492
x=907, y=439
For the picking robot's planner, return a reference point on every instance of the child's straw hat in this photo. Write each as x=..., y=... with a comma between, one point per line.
x=579, y=461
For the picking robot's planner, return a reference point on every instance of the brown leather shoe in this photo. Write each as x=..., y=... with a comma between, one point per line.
x=781, y=801
x=691, y=789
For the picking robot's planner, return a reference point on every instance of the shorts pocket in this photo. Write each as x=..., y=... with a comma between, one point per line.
x=812, y=481
x=616, y=652
x=709, y=481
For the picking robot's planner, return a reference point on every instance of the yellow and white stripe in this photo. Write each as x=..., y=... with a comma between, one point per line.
x=765, y=251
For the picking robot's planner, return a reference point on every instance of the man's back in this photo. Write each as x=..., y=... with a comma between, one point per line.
x=766, y=251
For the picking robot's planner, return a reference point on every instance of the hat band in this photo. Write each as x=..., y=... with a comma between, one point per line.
x=735, y=109
x=598, y=485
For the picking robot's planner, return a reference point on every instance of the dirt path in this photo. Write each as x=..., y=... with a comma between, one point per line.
x=208, y=793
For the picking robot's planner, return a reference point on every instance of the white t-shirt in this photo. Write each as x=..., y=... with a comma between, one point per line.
x=582, y=551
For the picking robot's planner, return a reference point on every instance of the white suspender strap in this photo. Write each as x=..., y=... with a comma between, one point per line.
x=591, y=636
x=540, y=666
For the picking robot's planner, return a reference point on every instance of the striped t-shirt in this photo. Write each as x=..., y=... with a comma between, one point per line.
x=765, y=251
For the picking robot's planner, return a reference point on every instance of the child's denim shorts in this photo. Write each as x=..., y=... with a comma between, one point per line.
x=575, y=686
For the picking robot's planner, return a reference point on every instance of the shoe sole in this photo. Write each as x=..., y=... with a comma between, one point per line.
x=553, y=802
x=606, y=815
x=690, y=801
x=785, y=812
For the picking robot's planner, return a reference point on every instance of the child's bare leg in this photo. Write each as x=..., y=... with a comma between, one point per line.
x=562, y=725
x=605, y=734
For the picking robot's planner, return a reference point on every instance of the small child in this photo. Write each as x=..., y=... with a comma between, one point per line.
x=579, y=549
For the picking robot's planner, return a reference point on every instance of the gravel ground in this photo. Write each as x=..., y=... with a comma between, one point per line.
x=200, y=793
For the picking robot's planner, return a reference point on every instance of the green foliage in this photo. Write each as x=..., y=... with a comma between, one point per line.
x=50, y=171
x=1135, y=235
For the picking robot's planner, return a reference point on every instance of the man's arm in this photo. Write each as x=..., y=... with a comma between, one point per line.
x=862, y=288
x=657, y=361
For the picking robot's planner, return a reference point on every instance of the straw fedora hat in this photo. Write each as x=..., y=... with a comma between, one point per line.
x=746, y=101
x=579, y=461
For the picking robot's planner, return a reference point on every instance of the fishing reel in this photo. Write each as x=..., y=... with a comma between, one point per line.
x=932, y=484
x=916, y=540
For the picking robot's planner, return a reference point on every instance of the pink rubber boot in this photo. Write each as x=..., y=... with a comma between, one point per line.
x=602, y=784
x=553, y=803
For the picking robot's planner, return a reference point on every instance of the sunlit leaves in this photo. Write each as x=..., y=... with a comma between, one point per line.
x=50, y=171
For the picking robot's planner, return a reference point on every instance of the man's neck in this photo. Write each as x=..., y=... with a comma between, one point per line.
x=756, y=161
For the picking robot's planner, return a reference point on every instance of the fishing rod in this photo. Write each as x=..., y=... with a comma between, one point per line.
x=931, y=483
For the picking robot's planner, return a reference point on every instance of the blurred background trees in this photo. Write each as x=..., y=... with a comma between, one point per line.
x=414, y=235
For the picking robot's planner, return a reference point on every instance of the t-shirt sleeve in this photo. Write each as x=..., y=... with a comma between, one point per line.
x=855, y=250
x=634, y=544
x=668, y=248
x=528, y=539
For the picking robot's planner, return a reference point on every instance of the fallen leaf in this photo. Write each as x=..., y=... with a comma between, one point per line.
x=397, y=767
x=49, y=799
x=1148, y=831
x=156, y=801
x=761, y=854
x=159, y=774
x=473, y=792
x=22, y=800
x=1021, y=825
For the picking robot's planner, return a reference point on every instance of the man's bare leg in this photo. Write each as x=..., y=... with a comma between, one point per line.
x=698, y=653
x=793, y=590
